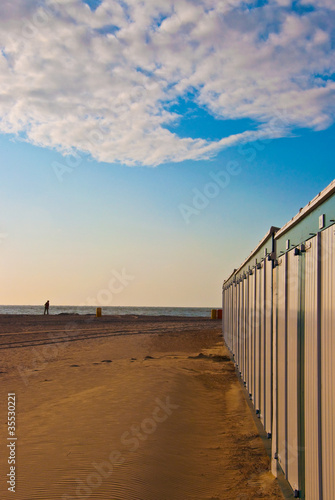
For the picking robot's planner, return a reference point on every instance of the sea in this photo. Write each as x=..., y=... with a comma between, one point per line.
x=195, y=312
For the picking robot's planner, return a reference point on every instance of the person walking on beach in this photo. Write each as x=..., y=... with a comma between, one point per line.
x=46, y=307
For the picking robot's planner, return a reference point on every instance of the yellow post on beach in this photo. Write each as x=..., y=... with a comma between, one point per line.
x=98, y=313
x=213, y=315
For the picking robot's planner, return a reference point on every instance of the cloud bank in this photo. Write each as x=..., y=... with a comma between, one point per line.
x=102, y=77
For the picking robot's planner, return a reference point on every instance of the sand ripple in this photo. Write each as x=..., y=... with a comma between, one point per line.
x=157, y=422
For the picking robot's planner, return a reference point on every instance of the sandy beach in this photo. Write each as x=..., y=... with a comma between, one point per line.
x=127, y=408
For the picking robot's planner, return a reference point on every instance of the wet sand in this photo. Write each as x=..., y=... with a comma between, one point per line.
x=127, y=408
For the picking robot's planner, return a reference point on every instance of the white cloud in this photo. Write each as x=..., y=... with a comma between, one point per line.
x=102, y=82
x=327, y=4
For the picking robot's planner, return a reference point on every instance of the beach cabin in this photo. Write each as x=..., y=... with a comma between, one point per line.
x=279, y=325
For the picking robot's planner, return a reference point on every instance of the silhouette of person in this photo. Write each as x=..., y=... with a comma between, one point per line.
x=46, y=307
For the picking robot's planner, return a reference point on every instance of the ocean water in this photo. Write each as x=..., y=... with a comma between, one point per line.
x=147, y=311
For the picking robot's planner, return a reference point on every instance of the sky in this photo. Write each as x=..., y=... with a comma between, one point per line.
x=147, y=147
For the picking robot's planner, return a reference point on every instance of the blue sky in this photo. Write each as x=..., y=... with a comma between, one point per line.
x=140, y=165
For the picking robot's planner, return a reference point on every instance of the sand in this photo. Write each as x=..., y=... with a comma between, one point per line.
x=127, y=408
